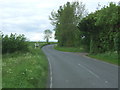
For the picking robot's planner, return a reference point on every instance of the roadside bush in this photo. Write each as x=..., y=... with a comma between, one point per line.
x=14, y=43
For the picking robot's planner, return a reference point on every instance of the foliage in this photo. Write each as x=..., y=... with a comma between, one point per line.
x=102, y=27
x=25, y=70
x=65, y=20
x=48, y=35
x=14, y=43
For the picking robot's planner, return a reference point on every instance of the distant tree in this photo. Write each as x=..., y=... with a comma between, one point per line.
x=48, y=35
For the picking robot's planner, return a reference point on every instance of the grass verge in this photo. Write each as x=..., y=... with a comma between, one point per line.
x=25, y=70
x=107, y=57
x=69, y=49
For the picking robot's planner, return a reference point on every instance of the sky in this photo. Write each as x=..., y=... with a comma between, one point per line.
x=31, y=17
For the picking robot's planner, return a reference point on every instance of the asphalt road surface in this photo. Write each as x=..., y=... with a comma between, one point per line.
x=72, y=70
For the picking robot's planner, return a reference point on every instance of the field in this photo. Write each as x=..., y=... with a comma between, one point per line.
x=25, y=70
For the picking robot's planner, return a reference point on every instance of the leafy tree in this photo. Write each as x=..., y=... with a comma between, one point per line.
x=102, y=27
x=48, y=35
x=65, y=20
x=90, y=32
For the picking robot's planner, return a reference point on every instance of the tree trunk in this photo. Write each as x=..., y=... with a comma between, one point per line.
x=47, y=40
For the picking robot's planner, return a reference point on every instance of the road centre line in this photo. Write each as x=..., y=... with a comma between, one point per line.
x=89, y=71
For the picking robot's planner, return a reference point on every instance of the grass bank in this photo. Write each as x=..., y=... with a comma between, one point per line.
x=69, y=49
x=25, y=70
x=107, y=57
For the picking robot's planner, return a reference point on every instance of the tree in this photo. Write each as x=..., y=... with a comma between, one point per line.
x=65, y=20
x=102, y=27
x=48, y=35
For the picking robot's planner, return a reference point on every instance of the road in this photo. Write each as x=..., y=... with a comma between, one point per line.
x=72, y=70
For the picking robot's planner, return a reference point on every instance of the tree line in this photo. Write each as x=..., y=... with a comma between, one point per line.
x=97, y=32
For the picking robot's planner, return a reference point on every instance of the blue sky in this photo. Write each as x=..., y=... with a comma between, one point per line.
x=31, y=17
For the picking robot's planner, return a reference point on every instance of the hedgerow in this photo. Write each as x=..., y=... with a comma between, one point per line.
x=14, y=43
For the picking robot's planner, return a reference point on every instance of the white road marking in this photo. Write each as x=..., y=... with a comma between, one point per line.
x=89, y=71
x=106, y=81
x=50, y=73
x=92, y=72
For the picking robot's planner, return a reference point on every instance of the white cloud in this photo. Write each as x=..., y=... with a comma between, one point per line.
x=30, y=17
x=39, y=36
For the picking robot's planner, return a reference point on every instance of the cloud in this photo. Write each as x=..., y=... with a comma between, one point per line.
x=30, y=17
x=39, y=37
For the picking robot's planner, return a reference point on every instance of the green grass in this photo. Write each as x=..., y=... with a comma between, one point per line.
x=69, y=49
x=25, y=70
x=107, y=57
